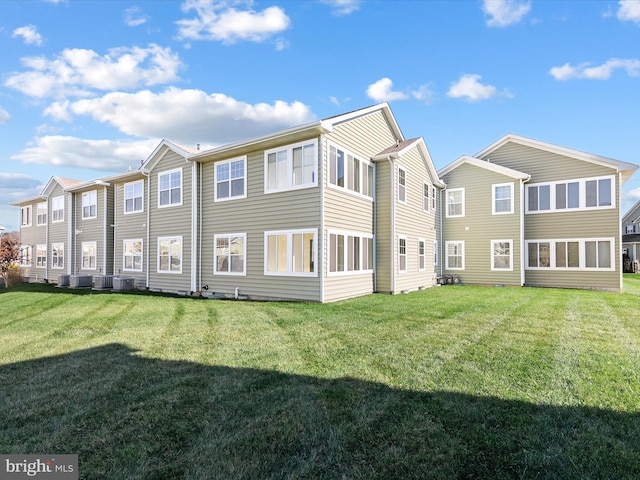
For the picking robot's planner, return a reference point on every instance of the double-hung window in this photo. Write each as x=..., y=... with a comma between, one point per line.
x=402, y=254
x=230, y=254
x=25, y=256
x=25, y=216
x=349, y=172
x=41, y=212
x=170, y=188
x=170, y=254
x=89, y=255
x=421, y=255
x=231, y=179
x=41, y=256
x=133, y=194
x=291, y=167
x=132, y=255
x=57, y=209
x=454, y=254
x=402, y=185
x=290, y=252
x=502, y=198
x=501, y=254
x=90, y=204
x=57, y=255
x=455, y=202
x=425, y=196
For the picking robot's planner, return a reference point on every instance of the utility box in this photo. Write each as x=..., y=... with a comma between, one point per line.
x=79, y=281
x=123, y=284
x=103, y=282
x=63, y=280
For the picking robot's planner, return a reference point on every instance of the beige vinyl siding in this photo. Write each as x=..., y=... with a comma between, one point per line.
x=170, y=221
x=94, y=230
x=385, y=203
x=33, y=236
x=131, y=226
x=253, y=215
x=59, y=233
x=479, y=227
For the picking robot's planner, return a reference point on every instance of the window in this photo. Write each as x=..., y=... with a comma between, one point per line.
x=629, y=229
x=435, y=252
x=231, y=179
x=567, y=254
x=170, y=188
x=402, y=185
x=598, y=254
x=25, y=216
x=425, y=196
x=90, y=204
x=567, y=195
x=598, y=193
x=41, y=212
x=291, y=167
x=348, y=171
x=89, y=255
x=57, y=255
x=502, y=198
x=571, y=254
x=421, y=258
x=133, y=197
x=230, y=254
x=455, y=255
x=539, y=255
x=170, y=255
x=502, y=254
x=539, y=198
x=350, y=252
x=41, y=256
x=402, y=254
x=455, y=202
x=57, y=208
x=25, y=256
x=581, y=194
x=291, y=252
x=132, y=255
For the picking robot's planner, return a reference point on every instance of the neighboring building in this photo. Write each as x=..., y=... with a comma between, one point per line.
x=548, y=214
x=631, y=237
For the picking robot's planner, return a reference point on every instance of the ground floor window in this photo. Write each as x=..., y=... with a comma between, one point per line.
x=25, y=256
x=402, y=254
x=57, y=255
x=170, y=255
x=454, y=255
x=501, y=254
x=421, y=260
x=290, y=252
x=132, y=255
x=41, y=256
x=230, y=254
x=89, y=255
x=350, y=252
x=571, y=254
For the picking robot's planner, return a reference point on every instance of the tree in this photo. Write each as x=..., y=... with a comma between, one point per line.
x=9, y=253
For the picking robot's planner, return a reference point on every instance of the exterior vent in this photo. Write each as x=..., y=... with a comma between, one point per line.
x=123, y=284
x=63, y=280
x=78, y=281
x=102, y=282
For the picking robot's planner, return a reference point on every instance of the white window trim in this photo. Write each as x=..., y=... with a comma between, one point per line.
x=215, y=179
x=426, y=199
x=435, y=252
x=54, y=200
x=169, y=172
x=53, y=246
x=422, y=256
x=289, y=149
x=39, y=248
x=365, y=164
x=405, y=254
x=582, y=255
x=29, y=209
x=125, y=198
x=493, y=267
x=346, y=233
x=451, y=190
x=133, y=240
x=446, y=254
x=28, y=256
x=85, y=195
x=290, y=233
x=170, y=272
x=511, y=186
x=95, y=256
x=582, y=198
x=42, y=205
x=433, y=198
x=404, y=187
x=229, y=236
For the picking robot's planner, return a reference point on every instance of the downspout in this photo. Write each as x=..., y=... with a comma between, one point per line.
x=70, y=231
x=46, y=240
x=392, y=176
x=200, y=168
x=375, y=228
x=618, y=248
x=104, y=242
x=148, y=227
x=320, y=251
x=115, y=226
x=441, y=241
x=194, y=220
x=522, y=244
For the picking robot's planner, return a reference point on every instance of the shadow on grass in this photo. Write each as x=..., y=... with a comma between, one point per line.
x=133, y=417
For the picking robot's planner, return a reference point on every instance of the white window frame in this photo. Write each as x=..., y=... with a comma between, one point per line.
x=402, y=185
x=230, y=179
x=495, y=199
x=435, y=252
x=494, y=243
x=422, y=257
x=57, y=209
x=229, y=237
x=169, y=173
x=41, y=218
x=90, y=204
x=93, y=264
x=433, y=198
x=582, y=195
x=448, y=245
x=129, y=193
x=25, y=216
x=287, y=150
x=426, y=189
x=289, y=253
x=132, y=256
x=25, y=258
x=41, y=260
x=582, y=254
x=170, y=239
x=450, y=191
x=57, y=261
x=351, y=265
x=366, y=174
x=629, y=228
x=403, y=256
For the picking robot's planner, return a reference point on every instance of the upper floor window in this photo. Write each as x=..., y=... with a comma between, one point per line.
x=231, y=179
x=348, y=171
x=502, y=198
x=433, y=198
x=133, y=197
x=41, y=212
x=90, y=204
x=425, y=196
x=580, y=194
x=170, y=188
x=57, y=208
x=290, y=167
x=455, y=202
x=629, y=229
x=25, y=216
x=402, y=185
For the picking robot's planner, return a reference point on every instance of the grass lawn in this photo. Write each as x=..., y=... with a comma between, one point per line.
x=451, y=382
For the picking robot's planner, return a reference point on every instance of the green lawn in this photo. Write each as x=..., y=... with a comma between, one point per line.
x=451, y=382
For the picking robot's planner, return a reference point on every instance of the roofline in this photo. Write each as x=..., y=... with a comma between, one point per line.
x=494, y=167
x=19, y=203
x=628, y=214
x=91, y=183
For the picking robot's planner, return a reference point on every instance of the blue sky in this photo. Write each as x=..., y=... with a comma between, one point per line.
x=89, y=88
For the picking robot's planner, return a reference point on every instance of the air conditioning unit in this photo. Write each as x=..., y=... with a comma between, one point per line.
x=102, y=282
x=78, y=281
x=63, y=280
x=122, y=284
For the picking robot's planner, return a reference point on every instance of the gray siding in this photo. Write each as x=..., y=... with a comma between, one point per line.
x=59, y=233
x=32, y=236
x=96, y=230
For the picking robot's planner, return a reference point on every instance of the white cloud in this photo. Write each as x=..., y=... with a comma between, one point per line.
x=629, y=10
x=600, y=72
x=343, y=7
x=185, y=116
x=134, y=16
x=105, y=155
x=4, y=116
x=470, y=88
x=29, y=34
x=219, y=20
x=503, y=13
x=382, y=91
x=76, y=72
x=17, y=181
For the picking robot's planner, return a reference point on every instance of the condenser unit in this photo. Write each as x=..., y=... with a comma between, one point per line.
x=63, y=280
x=102, y=282
x=122, y=284
x=78, y=281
